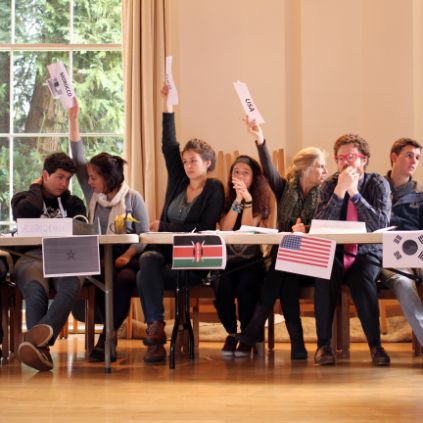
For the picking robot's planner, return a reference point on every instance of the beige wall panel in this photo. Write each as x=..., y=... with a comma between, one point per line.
x=316, y=69
x=214, y=43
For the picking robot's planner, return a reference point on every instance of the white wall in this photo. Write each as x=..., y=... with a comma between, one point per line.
x=316, y=69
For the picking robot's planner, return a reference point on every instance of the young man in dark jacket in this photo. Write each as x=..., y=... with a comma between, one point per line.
x=352, y=194
x=47, y=197
x=407, y=215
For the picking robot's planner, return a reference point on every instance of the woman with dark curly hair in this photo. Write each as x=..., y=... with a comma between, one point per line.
x=247, y=202
x=119, y=209
x=193, y=202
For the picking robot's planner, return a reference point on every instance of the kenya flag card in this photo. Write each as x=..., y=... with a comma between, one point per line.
x=196, y=251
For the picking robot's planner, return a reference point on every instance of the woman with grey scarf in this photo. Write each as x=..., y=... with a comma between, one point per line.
x=296, y=195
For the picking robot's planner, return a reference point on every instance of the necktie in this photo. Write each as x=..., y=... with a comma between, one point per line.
x=350, y=250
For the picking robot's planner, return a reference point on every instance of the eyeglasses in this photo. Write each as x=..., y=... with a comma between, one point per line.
x=351, y=157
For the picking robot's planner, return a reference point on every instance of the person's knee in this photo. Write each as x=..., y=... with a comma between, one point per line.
x=68, y=287
x=33, y=291
x=150, y=263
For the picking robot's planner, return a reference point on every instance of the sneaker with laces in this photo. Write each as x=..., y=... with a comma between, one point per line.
x=36, y=357
x=155, y=333
x=243, y=350
x=379, y=356
x=229, y=346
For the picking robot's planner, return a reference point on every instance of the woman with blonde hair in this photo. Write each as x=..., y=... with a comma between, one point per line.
x=296, y=195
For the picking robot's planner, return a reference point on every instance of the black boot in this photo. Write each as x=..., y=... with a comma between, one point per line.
x=254, y=331
x=97, y=353
x=295, y=330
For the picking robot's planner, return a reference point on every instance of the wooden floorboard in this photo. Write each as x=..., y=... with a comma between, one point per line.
x=213, y=389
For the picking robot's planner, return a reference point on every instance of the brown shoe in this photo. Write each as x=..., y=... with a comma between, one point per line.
x=155, y=354
x=36, y=357
x=155, y=333
x=379, y=356
x=39, y=335
x=324, y=356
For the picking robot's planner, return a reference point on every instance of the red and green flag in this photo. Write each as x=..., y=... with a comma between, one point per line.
x=196, y=251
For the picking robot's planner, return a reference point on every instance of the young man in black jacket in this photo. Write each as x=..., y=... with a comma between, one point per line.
x=47, y=197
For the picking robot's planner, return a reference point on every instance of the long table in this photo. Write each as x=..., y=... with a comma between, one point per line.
x=107, y=241
x=182, y=287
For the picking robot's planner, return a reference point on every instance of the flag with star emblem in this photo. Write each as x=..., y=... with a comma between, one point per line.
x=71, y=256
x=403, y=249
x=197, y=251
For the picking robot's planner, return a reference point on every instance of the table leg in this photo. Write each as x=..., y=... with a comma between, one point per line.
x=187, y=319
x=108, y=293
x=177, y=320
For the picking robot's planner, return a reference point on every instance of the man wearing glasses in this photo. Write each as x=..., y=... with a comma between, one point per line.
x=352, y=194
x=407, y=215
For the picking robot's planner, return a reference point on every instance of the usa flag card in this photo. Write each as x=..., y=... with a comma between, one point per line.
x=306, y=255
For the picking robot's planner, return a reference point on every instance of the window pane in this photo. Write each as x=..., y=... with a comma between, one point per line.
x=5, y=21
x=4, y=91
x=28, y=158
x=97, y=21
x=96, y=145
x=42, y=21
x=4, y=179
x=99, y=87
x=35, y=109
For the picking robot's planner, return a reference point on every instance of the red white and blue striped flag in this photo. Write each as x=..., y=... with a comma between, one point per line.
x=306, y=255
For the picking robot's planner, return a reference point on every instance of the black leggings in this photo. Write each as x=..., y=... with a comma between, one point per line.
x=242, y=285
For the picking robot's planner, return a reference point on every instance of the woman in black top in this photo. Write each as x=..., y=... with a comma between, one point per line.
x=192, y=202
x=247, y=202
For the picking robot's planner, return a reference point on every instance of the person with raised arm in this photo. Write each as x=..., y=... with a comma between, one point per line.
x=296, y=195
x=193, y=201
x=248, y=202
x=111, y=201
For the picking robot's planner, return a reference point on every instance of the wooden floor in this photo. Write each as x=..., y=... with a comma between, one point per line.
x=213, y=389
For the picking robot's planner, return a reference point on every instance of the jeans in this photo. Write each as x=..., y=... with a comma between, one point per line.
x=406, y=292
x=243, y=285
x=361, y=280
x=28, y=275
x=154, y=276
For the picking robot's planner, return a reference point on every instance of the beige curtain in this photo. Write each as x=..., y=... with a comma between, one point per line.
x=144, y=48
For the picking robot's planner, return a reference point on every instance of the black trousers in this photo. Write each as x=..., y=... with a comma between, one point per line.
x=287, y=287
x=361, y=280
x=242, y=285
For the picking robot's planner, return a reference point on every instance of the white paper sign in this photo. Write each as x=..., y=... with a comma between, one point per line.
x=247, y=102
x=44, y=227
x=172, y=98
x=321, y=226
x=60, y=84
x=403, y=249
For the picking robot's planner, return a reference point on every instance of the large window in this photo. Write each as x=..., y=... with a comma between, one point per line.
x=86, y=36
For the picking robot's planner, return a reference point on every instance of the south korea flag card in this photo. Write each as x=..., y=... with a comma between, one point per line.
x=403, y=249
